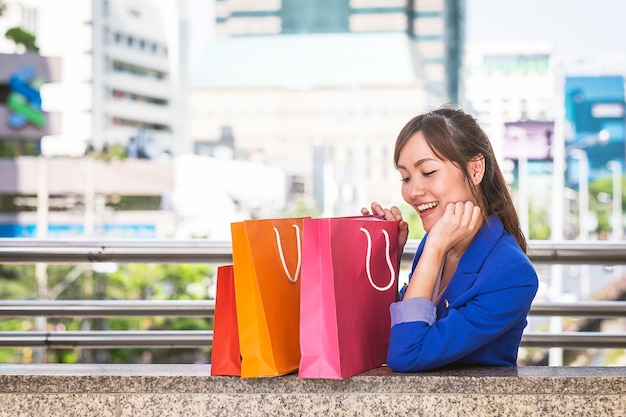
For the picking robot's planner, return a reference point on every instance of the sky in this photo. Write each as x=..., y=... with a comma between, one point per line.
x=585, y=27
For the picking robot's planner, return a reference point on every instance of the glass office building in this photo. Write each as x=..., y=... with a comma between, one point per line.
x=434, y=26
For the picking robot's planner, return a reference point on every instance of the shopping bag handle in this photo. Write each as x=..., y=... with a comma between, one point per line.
x=293, y=279
x=369, y=255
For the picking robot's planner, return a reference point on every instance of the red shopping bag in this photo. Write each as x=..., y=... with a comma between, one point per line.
x=349, y=271
x=267, y=262
x=225, y=354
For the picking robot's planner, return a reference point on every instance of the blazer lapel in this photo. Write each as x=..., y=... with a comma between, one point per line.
x=470, y=265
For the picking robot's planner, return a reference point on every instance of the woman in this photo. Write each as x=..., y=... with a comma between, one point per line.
x=471, y=284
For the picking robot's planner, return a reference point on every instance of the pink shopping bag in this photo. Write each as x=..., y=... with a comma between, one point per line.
x=349, y=271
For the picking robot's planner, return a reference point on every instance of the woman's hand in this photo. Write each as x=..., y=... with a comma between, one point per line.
x=392, y=213
x=459, y=221
x=453, y=231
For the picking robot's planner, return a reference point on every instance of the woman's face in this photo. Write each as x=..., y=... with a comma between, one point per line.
x=429, y=183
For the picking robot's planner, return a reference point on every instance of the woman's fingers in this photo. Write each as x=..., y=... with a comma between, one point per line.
x=378, y=210
x=396, y=213
x=459, y=220
x=464, y=214
x=392, y=213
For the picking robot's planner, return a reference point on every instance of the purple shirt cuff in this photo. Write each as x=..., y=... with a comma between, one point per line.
x=413, y=309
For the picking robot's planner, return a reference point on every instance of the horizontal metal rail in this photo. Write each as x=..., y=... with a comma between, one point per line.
x=28, y=250
x=206, y=308
x=104, y=339
x=96, y=339
x=587, y=309
x=574, y=340
x=107, y=308
x=577, y=252
x=17, y=250
x=72, y=251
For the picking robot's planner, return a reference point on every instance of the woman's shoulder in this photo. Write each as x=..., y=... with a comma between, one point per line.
x=493, y=244
x=508, y=259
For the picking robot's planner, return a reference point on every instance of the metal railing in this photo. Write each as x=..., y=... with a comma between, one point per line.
x=205, y=308
x=30, y=251
x=24, y=250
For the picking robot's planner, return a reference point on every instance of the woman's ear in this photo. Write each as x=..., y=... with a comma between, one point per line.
x=476, y=169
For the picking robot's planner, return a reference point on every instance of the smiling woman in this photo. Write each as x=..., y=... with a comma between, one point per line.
x=471, y=283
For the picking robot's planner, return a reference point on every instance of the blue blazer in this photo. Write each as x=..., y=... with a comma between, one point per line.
x=480, y=316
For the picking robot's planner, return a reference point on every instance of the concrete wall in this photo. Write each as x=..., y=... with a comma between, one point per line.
x=189, y=390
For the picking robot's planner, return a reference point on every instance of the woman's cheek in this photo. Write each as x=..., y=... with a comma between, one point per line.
x=405, y=194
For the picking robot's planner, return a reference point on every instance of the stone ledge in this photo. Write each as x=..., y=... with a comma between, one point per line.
x=189, y=390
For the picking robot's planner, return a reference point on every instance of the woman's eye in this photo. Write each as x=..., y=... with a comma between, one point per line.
x=429, y=173
x=405, y=179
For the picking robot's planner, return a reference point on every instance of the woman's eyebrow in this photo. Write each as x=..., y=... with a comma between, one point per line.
x=416, y=164
x=421, y=161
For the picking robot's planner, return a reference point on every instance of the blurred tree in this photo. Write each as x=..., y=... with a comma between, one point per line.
x=600, y=195
x=539, y=224
x=416, y=229
x=129, y=282
x=17, y=282
x=108, y=152
x=22, y=37
x=300, y=208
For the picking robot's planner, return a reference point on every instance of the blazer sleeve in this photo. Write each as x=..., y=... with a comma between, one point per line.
x=498, y=303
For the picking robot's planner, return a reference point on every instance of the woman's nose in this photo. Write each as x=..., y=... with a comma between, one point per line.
x=415, y=188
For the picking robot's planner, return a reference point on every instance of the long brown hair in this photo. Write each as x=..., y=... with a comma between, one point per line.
x=456, y=136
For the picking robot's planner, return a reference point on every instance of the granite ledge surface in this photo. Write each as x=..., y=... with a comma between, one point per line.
x=112, y=379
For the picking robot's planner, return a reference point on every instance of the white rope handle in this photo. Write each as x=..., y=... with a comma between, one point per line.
x=369, y=255
x=293, y=279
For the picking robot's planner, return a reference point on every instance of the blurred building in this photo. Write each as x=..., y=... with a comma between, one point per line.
x=536, y=106
x=116, y=84
x=507, y=83
x=120, y=79
x=435, y=27
x=23, y=120
x=134, y=76
x=103, y=154
x=83, y=197
x=595, y=123
x=322, y=99
x=321, y=89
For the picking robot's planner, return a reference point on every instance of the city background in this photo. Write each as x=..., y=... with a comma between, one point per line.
x=172, y=119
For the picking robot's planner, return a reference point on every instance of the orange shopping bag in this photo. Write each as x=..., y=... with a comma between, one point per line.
x=225, y=354
x=266, y=260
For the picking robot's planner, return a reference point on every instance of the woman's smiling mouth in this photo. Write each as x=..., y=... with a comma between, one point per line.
x=423, y=207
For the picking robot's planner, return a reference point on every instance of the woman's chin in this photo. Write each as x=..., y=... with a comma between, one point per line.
x=428, y=219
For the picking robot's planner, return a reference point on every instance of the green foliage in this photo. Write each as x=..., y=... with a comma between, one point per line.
x=539, y=224
x=300, y=208
x=416, y=229
x=135, y=202
x=12, y=148
x=128, y=282
x=600, y=206
x=108, y=152
x=17, y=282
x=22, y=37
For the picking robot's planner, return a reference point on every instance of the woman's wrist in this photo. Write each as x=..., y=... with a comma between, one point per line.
x=426, y=273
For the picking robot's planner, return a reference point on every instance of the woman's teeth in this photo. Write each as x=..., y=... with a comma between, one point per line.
x=424, y=207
